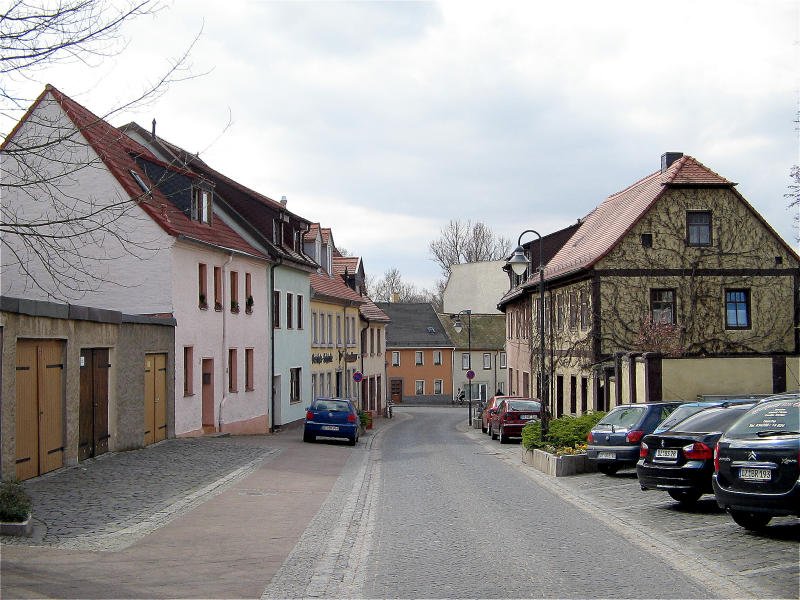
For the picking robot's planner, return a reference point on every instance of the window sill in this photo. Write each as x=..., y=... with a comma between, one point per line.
x=248, y=311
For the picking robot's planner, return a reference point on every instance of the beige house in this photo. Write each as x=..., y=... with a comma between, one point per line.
x=671, y=289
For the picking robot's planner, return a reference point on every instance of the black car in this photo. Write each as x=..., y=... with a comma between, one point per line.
x=614, y=442
x=680, y=460
x=756, y=463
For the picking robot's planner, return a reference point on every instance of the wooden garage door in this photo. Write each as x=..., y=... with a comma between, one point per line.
x=40, y=407
x=93, y=428
x=155, y=398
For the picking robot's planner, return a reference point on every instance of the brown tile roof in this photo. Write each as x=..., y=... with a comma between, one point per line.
x=345, y=263
x=370, y=311
x=314, y=230
x=332, y=286
x=117, y=151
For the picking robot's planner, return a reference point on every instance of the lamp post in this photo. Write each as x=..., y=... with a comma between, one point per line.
x=519, y=263
x=458, y=326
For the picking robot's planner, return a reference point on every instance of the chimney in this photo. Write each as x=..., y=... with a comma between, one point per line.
x=283, y=200
x=153, y=132
x=668, y=158
x=395, y=297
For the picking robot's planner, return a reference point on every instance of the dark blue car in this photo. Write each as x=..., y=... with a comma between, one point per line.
x=331, y=417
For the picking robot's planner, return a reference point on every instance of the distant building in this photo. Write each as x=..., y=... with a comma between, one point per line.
x=475, y=286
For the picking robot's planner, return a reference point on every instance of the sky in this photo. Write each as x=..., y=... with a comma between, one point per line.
x=384, y=120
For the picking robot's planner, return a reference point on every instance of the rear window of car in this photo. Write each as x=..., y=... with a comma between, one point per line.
x=331, y=405
x=711, y=419
x=679, y=414
x=523, y=405
x=622, y=416
x=771, y=416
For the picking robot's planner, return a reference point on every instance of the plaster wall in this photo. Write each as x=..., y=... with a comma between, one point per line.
x=686, y=379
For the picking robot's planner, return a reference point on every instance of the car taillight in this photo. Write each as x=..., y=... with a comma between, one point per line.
x=634, y=436
x=697, y=451
x=310, y=416
x=590, y=438
x=643, y=450
x=351, y=418
x=509, y=417
x=716, y=458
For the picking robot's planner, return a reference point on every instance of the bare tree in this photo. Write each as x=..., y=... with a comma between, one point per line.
x=393, y=288
x=793, y=194
x=461, y=242
x=53, y=243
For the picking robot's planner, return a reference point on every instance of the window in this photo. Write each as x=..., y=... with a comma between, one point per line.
x=201, y=205
x=395, y=359
x=662, y=306
x=321, y=329
x=289, y=309
x=378, y=332
x=233, y=384
x=248, y=369
x=188, y=370
x=465, y=362
x=698, y=228
x=299, y=315
x=737, y=309
x=234, y=291
x=502, y=360
x=418, y=358
x=202, y=285
x=437, y=386
x=584, y=309
x=248, y=292
x=501, y=386
x=217, y=288
x=419, y=387
x=437, y=357
x=330, y=330
x=338, y=330
x=314, y=337
x=487, y=360
x=647, y=240
x=276, y=309
x=294, y=385
x=314, y=395
x=371, y=340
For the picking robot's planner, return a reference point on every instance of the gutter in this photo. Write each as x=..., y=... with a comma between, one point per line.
x=272, y=426
x=224, y=342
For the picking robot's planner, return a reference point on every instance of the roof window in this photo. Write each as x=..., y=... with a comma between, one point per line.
x=138, y=179
x=201, y=205
x=432, y=330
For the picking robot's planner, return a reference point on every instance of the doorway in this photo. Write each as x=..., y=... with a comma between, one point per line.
x=93, y=433
x=155, y=398
x=207, y=396
x=396, y=390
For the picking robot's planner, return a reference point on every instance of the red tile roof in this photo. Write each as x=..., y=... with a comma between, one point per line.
x=316, y=230
x=607, y=224
x=332, y=286
x=370, y=311
x=345, y=263
x=117, y=152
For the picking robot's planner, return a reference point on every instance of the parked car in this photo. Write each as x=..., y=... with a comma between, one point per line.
x=614, y=442
x=756, y=463
x=511, y=415
x=687, y=409
x=680, y=460
x=490, y=405
x=331, y=417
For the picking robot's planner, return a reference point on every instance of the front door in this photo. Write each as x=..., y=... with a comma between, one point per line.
x=208, y=395
x=93, y=427
x=155, y=398
x=396, y=390
x=40, y=407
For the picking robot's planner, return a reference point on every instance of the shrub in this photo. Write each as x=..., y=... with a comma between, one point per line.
x=15, y=504
x=565, y=435
x=362, y=417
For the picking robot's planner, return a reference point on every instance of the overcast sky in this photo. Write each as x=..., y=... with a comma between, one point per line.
x=383, y=120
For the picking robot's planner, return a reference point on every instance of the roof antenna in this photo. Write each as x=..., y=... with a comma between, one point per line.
x=153, y=132
x=283, y=200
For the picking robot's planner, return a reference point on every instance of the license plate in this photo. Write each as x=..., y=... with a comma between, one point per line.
x=609, y=455
x=329, y=428
x=670, y=454
x=527, y=417
x=755, y=474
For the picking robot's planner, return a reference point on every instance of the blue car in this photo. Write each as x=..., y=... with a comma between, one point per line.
x=331, y=417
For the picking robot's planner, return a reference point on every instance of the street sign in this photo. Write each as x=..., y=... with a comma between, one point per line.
x=357, y=376
x=470, y=374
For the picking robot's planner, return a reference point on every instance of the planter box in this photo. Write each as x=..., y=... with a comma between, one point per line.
x=557, y=466
x=24, y=529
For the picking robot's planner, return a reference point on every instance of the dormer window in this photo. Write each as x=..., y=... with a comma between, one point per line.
x=201, y=205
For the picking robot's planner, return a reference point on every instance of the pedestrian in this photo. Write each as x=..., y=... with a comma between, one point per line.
x=453, y=399
x=461, y=396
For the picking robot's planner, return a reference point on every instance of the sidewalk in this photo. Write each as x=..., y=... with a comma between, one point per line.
x=186, y=518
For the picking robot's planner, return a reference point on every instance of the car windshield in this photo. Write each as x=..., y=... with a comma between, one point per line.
x=331, y=405
x=712, y=419
x=771, y=417
x=524, y=405
x=622, y=417
x=681, y=413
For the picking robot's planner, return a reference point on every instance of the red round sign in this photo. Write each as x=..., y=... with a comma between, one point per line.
x=357, y=376
x=470, y=374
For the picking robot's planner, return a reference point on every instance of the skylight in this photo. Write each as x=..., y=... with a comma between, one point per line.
x=137, y=178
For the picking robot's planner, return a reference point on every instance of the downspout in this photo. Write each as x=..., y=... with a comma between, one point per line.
x=362, y=341
x=224, y=342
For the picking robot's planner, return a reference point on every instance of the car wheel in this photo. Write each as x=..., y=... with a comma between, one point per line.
x=484, y=429
x=491, y=432
x=752, y=521
x=608, y=469
x=503, y=436
x=352, y=441
x=685, y=497
x=309, y=437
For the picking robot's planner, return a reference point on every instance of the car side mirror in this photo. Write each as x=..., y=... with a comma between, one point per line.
x=493, y=411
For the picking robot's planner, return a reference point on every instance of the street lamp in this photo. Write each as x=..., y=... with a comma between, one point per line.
x=519, y=263
x=459, y=327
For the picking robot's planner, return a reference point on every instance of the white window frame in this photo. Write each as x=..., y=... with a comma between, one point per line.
x=437, y=357
x=503, y=360
x=487, y=360
x=395, y=359
x=465, y=361
x=417, y=387
x=438, y=384
x=419, y=358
